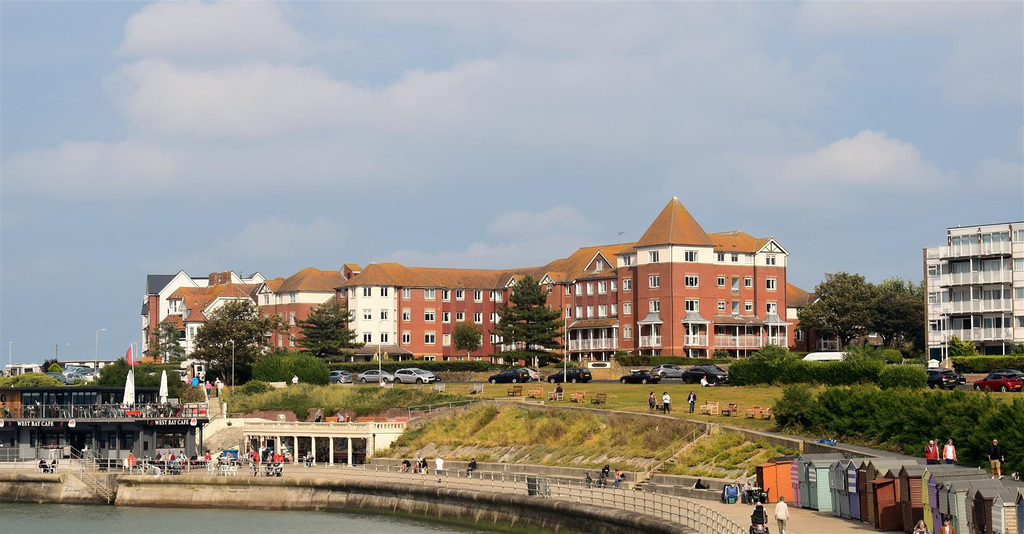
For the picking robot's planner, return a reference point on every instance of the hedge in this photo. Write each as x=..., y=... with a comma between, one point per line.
x=282, y=367
x=429, y=365
x=984, y=364
x=758, y=371
x=904, y=420
x=902, y=376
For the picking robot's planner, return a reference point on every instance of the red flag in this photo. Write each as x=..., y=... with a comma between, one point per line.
x=128, y=356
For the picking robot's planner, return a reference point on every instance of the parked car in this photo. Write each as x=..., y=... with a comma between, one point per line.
x=512, y=376
x=1008, y=372
x=415, y=375
x=1000, y=381
x=534, y=375
x=942, y=379
x=572, y=374
x=641, y=376
x=714, y=374
x=373, y=375
x=57, y=376
x=668, y=370
x=341, y=376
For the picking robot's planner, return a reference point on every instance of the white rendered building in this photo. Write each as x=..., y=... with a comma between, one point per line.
x=975, y=288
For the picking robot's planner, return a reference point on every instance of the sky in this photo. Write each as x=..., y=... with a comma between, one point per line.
x=148, y=138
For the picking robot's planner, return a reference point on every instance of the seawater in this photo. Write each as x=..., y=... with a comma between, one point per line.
x=84, y=519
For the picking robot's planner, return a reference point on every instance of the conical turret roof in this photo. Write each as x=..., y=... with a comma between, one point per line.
x=675, y=226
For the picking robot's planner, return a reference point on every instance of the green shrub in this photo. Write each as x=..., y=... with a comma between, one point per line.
x=429, y=365
x=796, y=408
x=777, y=368
x=54, y=368
x=902, y=376
x=29, y=380
x=984, y=364
x=683, y=360
x=281, y=367
x=255, y=387
x=632, y=360
x=720, y=354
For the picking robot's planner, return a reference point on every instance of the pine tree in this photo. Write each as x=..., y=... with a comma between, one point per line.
x=325, y=332
x=528, y=320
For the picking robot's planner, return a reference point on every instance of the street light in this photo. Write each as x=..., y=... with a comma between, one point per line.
x=380, y=351
x=232, y=365
x=96, y=353
x=10, y=362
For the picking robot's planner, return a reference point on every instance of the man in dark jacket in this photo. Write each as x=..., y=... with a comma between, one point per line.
x=996, y=458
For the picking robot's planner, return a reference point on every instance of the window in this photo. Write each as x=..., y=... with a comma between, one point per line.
x=291, y=341
x=494, y=317
x=933, y=270
x=460, y=317
x=291, y=318
x=653, y=256
x=429, y=316
x=497, y=295
x=615, y=310
x=748, y=306
x=406, y=337
x=654, y=281
x=748, y=282
x=598, y=265
x=368, y=315
x=579, y=312
x=478, y=317
x=1018, y=292
x=1018, y=236
x=735, y=284
x=429, y=338
x=772, y=308
x=383, y=291
x=627, y=308
x=691, y=255
x=799, y=335
x=692, y=305
x=602, y=288
x=721, y=305
x=579, y=289
x=769, y=259
x=1020, y=321
x=721, y=256
x=590, y=288
x=406, y=293
x=627, y=284
x=735, y=258
x=478, y=296
x=770, y=284
x=446, y=317
x=383, y=315
x=406, y=315
x=568, y=312
x=627, y=332
x=613, y=286
x=367, y=337
x=367, y=291
x=383, y=337
x=446, y=340
x=735, y=307
x=430, y=294
x=568, y=289
x=590, y=311
x=654, y=305
x=691, y=280
x=292, y=297
x=627, y=259
x=460, y=294
x=446, y=295
x=1018, y=264
x=721, y=281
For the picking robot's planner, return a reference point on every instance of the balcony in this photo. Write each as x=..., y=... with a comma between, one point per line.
x=593, y=344
x=979, y=277
x=84, y=412
x=976, y=249
x=738, y=342
x=650, y=341
x=828, y=345
x=695, y=340
x=981, y=306
x=781, y=341
x=982, y=334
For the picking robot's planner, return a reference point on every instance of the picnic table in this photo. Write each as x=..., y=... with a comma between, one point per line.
x=732, y=409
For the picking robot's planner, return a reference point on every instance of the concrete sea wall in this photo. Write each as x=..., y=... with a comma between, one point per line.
x=40, y=488
x=480, y=508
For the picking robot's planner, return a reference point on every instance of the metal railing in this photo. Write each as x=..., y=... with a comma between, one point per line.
x=593, y=344
x=427, y=409
x=103, y=411
x=697, y=340
x=650, y=341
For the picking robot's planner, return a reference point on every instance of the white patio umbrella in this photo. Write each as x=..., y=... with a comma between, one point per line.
x=163, y=387
x=129, y=389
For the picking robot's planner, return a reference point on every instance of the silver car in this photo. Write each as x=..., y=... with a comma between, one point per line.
x=414, y=375
x=668, y=370
x=375, y=376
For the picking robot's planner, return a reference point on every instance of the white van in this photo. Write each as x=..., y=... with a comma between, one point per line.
x=825, y=357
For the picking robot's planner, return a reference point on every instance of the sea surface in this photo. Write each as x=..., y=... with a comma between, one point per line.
x=84, y=519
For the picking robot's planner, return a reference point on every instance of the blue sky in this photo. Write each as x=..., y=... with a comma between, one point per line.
x=149, y=138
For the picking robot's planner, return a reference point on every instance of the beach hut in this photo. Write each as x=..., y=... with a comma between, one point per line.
x=794, y=482
x=809, y=477
x=1004, y=511
x=930, y=481
x=774, y=477
x=979, y=509
x=885, y=514
x=837, y=487
x=1020, y=511
x=910, y=496
x=874, y=469
x=956, y=492
x=853, y=486
x=819, y=472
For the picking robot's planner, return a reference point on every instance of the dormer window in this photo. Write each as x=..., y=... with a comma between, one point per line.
x=598, y=265
x=187, y=312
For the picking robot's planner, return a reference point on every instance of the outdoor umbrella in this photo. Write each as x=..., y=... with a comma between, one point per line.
x=129, y=389
x=163, y=387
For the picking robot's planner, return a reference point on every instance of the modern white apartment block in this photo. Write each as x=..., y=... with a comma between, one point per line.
x=975, y=288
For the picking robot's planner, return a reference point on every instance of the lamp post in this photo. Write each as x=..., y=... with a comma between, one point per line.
x=232, y=365
x=10, y=361
x=96, y=353
x=380, y=351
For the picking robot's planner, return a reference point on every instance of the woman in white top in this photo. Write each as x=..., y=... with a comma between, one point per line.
x=949, y=452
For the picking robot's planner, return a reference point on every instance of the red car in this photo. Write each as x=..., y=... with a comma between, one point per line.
x=1001, y=381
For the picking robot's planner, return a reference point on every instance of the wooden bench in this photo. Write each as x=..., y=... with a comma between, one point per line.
x=439, y=387
x=535, y=393
x=578, y=396
x=754, y=412
x=710, y=408
x=515, y=391
x=732, y=409
x=766, y=413
x=477, y=389
x=556, y=396
x=600, y=398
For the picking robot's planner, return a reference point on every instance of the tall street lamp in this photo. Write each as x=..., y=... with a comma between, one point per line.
x=96, y=353
x=10, y=362
x=232, y=365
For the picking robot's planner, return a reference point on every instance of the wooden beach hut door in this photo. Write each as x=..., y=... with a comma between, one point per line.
x=1020, y=512
x=812, y=488
x=805, y=485
x=882, y=495
x=862, y=490
x=910, y=497
x=767, y=478
x=853, y=489
x=932, y=503
x=794, y=482
x=783, y=482
x=835, y=485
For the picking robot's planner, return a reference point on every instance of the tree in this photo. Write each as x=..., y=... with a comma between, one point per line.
x=899, y=312
x=325, y=332
x=958, y=347
x=528, y=320
x=167, y=347
x=237, y=321
x=466, y=336
x=844, y=308
x=146, y=375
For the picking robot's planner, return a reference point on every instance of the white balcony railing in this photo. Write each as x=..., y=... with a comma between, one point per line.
x=828, y=345
x=981, y=305
x=977, y=249
x=695, y=340
x=781, y=341
x=982, y=334
x=738, y=342
x=980, y=277
x=593, y=344
x=650, y=341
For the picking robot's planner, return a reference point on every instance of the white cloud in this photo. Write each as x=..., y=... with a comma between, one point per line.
x=75, y=168
x=220, y=30
x=828, y=17
x=525, y=223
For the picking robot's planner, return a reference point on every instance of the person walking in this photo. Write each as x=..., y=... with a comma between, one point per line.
x=782, y=514
x=931, y=453
x=439, y=467
x=666, y=402
x=691, y=399
x=946, y=528
x=996, y=459
x=949, y=452
x=295, y=379
x=651, y=401
x=920, y=528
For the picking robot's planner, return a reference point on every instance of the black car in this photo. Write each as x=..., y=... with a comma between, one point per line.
x=510, y=376
x=641, y=377
x=573, y=374
x=942, y=379
x=714, y=374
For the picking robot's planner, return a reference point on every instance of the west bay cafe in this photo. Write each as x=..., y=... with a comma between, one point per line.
x=56, y=422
